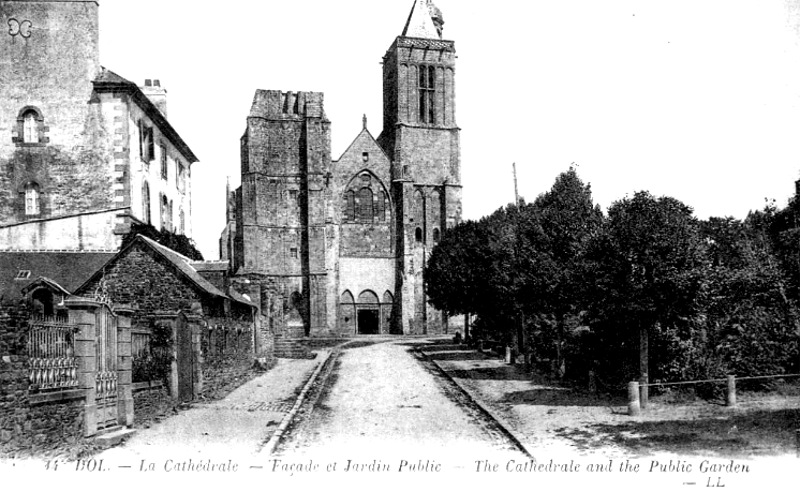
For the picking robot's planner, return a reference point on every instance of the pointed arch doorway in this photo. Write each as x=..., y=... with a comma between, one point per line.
x=368, y=319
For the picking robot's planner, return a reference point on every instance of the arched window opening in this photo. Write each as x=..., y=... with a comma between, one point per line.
x=146, y=202
x=365, y=205
x=436, y=235
x=349, y=206
x=32, y=197
x=30, y=130
x=380, y=207
x=418, y=234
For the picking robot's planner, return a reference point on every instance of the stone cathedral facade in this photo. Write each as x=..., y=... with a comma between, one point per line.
x=338, y=247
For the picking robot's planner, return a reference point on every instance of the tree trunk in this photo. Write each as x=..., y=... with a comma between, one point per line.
x=644, y=377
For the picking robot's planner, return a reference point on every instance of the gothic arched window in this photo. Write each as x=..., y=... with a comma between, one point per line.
x=32, y=197
x=349, y=206
x=365, y=205
x=418, y=234
x=380, y=207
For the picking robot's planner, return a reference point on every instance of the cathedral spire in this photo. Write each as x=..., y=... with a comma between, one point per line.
x=425, y=21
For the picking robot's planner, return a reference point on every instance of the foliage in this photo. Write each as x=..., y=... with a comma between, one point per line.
x=176, y=242
x=156, y=363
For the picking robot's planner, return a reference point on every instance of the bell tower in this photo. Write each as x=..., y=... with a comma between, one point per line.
x=421, y=136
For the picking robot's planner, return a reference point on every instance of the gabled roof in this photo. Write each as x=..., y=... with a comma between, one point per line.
x=68, y=269
x=180, y=262
x=364, y=133
x=420, y=22
x=110, y=81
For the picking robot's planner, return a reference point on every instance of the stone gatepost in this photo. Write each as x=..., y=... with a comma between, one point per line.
x=125, y=365
x=169, y=318
x=197, y=324
x=82, y=313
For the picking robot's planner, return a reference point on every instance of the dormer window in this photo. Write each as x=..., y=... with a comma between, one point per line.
x=23, y=275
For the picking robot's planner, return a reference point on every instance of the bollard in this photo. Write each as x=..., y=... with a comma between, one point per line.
x=480, y=346
x=797, y=441
x=730, y=400
x=633, y=399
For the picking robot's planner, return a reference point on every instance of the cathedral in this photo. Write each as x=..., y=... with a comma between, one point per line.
x=339, y=247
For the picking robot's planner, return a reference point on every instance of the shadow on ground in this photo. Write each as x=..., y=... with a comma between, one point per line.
x=749, y=433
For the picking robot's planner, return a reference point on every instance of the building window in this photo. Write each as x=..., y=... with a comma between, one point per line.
x=32, y=196
x=294, y=197
x=170, y=215
x=293, y=252
x=164, y=211
x=163, y=149
x=182, y=219
x=146, y=143
x=23, y=275
x=436, y=235
x=380, y=207
x=418, y=234
x=365, y=205
x=181, y=181
x=30, y=129
x=146, y=202
x=427, y=93
x=349, y=206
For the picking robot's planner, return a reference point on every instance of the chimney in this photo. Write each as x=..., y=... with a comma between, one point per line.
x=157, y=94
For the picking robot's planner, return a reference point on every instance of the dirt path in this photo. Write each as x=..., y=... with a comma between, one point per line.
x=380, y=401
x=235, y=426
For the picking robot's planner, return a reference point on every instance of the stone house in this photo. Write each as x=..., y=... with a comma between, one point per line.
x=215, y=335
x=84, y=152
x=334, y=248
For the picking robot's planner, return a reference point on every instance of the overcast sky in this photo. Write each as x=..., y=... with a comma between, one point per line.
x=695, y=99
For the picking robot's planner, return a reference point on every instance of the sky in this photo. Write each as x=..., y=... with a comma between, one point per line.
x=694, y=99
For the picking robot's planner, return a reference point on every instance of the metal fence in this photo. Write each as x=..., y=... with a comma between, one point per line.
x=52, y=363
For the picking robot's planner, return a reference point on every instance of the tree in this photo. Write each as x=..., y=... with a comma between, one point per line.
x=176, y=242
x=645, y=266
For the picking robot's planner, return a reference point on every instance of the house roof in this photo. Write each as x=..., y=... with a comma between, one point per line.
x=110, y=81
x=180, y=262
x=68, y=269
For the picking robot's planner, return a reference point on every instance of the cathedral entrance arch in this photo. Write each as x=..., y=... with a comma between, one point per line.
x=368, y=313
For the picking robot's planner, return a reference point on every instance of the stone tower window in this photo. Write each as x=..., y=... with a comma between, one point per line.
x=436, y=235
x=30, y=127
x=427, y=94
x=380, y=207
x=32, y=196
x=146, y=202
x=418, y=234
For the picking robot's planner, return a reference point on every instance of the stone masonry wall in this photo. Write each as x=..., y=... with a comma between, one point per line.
x=228, y=356
x=27, y=426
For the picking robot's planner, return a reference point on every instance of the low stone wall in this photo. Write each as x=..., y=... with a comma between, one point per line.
x=31, y=423
x=151, y=402
x=228, y=357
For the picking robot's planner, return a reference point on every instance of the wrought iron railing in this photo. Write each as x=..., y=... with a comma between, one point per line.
x=52, y=364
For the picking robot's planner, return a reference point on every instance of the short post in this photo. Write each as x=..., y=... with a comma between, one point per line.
x=509, y=359
x=633, y=399
x=730, y=400
x=797, y=441
x=480, y=346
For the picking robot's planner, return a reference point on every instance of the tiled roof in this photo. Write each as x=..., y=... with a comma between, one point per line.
x=110, y=81
x=67, y=269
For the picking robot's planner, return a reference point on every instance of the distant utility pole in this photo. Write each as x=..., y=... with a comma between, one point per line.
x=516, y=190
